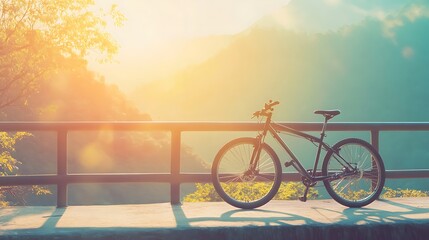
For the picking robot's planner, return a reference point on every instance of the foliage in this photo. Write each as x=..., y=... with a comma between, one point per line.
x=203, y=193
x=287, y=191
x=294, y=190
x=354, y=194
x=291, y=191
x=398, y=193
x=40, y=36
x=3, y=202
x=38, y=40
x=8, y=164
x=388, y=193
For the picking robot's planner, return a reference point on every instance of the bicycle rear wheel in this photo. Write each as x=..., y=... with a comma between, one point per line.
x=235, y=181
x=359, y=172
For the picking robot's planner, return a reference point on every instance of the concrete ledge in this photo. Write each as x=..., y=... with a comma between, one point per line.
x=400, y=219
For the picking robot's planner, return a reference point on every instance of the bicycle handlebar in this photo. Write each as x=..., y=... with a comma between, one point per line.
x=271, y=104
x=267, y=110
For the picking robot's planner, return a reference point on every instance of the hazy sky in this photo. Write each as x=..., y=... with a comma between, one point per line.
x=152, y=24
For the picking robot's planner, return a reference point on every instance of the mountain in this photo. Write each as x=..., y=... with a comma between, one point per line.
x=375, y=60
x=373, y=70
x=162, y=61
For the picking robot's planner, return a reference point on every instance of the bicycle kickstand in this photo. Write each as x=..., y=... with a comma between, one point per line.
x=304, y=198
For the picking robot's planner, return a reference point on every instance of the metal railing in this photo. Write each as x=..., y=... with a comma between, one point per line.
x=62, y=179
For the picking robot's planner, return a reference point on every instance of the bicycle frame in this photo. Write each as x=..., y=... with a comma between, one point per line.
x=308, y=175
x=352, y=170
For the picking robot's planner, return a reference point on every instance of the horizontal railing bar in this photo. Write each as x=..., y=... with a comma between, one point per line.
x=392, y=174
x=409, y=173
x=175, y=178
x=206, y=177
x=124, y=177
x=84, y=178
x=365, y=126
x=112, y=178
x=30, y=180
x=207, y=126
x=161, y=177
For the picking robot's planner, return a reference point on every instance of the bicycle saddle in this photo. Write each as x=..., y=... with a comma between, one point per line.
x=328, y=113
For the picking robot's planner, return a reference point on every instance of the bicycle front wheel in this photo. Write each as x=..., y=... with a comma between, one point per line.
x=358, y=173
x=237, y=182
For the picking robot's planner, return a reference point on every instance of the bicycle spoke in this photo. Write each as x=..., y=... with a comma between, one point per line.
x=239, y=184
x=348, y=184
x=231, y=179
x=363, y=181
x=338, y=184
x=266, y=176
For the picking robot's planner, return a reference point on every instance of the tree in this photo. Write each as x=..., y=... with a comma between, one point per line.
x=40, y=36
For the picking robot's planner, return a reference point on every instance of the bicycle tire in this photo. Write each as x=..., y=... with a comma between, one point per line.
x=360, y=189
x=241, y=190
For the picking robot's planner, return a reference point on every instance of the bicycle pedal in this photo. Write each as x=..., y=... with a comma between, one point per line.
x=303, y=199
x=288, y=164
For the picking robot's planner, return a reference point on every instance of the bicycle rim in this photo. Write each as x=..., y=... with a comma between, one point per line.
x=357, y=189
x=237, y=183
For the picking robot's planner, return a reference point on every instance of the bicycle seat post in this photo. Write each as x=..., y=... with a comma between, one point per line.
x=322, y=133
x=316, y=162
x=319, y=149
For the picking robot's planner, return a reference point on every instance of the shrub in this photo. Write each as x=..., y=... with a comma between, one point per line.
x=287, y=191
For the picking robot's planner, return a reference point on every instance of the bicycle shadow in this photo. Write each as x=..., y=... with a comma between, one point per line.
x=383, y=211
x=396, y=212
x=243, y=216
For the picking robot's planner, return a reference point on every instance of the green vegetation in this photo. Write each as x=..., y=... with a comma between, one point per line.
x=398, y=193
x=39, y=37
x=204, y=193
x=287, y=191
x=40, y=41
x=294, y=190
x=291, y=191
x=9, y=166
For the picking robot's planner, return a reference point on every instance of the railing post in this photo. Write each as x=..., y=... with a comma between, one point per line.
x=175, y=168
x=375, y=139
x=375, y=143
x=62, y=168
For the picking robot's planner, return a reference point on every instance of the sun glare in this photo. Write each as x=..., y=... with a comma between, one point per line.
x=156, y=31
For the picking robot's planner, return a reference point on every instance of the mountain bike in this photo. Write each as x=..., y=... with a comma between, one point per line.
x=247, y=173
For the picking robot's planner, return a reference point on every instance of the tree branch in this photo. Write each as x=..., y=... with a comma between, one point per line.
x=19, y=21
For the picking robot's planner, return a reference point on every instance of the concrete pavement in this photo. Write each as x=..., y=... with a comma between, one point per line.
x=406, y=218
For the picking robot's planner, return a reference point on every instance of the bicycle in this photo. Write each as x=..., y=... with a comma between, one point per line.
x=247, y=173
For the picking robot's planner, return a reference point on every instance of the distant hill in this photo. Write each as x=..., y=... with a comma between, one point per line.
x=80, y=95
x=164, y=60
x=373, y=70
x=361, y=69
